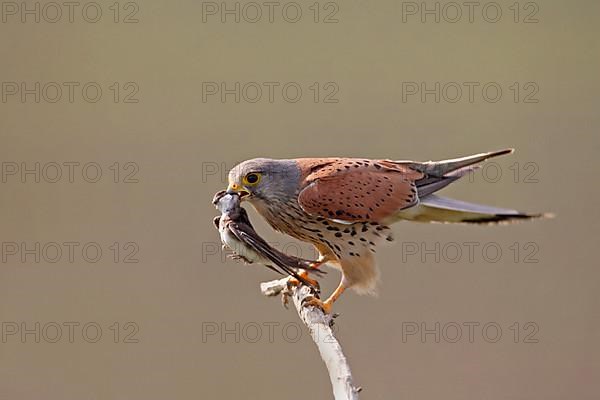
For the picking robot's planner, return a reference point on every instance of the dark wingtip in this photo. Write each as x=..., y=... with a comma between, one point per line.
x=529, y=216
x=509, y=150
x=507, y=218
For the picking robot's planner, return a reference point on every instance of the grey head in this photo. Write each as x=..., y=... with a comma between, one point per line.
x=265, y=179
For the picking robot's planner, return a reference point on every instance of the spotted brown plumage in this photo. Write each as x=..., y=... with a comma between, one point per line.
x=353, y=190
x=343, y=206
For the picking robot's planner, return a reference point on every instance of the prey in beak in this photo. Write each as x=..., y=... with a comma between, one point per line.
x=238, y=235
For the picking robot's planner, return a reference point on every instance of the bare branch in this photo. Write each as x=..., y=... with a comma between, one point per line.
x=319, y=325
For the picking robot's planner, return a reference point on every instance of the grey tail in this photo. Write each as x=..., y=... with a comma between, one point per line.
x=433, y=208
x=439, y=174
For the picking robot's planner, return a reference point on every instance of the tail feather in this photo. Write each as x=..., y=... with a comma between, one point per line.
x=435, y=208
x=439, y=174
x=441, y=168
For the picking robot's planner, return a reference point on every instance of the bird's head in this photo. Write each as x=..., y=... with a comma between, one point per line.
x=264, y=179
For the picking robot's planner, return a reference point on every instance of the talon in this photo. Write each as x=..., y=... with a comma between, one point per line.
x=285, y=296
x=285, y=300
x=295, y=282
x=306, y=300
x=325, y=306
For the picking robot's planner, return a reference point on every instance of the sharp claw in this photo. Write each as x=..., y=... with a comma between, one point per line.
x=315, y=302
x=285, y=296
x=307, y=299
x=285, y=300
x=314, y=284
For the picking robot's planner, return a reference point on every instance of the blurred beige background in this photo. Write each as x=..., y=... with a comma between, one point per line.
x=183, y=300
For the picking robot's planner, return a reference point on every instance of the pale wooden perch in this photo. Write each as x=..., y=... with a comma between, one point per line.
x=238, y=234
x=319, y=326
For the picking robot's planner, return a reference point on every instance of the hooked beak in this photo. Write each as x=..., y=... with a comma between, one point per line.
x=237, y=189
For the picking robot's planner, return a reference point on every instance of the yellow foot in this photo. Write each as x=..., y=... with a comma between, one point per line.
x=295, y=282
x=326, y=305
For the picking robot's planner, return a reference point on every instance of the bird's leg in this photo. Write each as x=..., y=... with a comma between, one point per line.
x=327, y=304
x=304, y=275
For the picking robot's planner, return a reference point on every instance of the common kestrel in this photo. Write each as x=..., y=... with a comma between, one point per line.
x=343, y=206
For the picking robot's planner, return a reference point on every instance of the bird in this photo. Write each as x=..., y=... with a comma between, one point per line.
x=345, y=206
x=238, y=234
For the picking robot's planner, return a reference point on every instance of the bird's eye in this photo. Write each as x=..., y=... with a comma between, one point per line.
x=252, y=179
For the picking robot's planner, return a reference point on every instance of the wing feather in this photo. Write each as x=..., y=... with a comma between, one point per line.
x=355, y=190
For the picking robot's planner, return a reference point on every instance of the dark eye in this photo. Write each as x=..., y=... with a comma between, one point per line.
x=252, y=178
